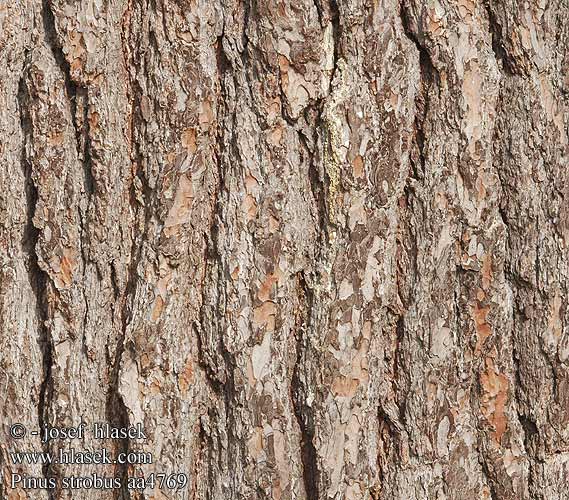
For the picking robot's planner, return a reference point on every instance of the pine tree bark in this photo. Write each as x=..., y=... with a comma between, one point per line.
x=317, y=248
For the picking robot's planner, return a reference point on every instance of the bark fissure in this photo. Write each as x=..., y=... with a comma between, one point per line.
x=38, y=278
x=318, y=7
x=78, y=100
x=300, y=391
x=508, y=70
x=488, y=474
x=220, y=372
x=75, y=93
x=335, y=19
x=229, y=392
x=428, y=80
x=506, y=66
x=318, y=191
x=140, y=201
x=211, y=254
x=397, y=366
x=117, y=411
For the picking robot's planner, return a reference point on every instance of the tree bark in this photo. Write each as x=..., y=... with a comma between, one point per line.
x=317, y=248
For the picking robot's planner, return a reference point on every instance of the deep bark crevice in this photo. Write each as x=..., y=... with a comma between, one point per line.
x=117, y=411
x=390, y=441
x=507, y=66
x=318, y=190
x=3, y=465
x=78, y=99
x=335, y=19
x=397, y=364
x=319, y=13
x=38, y=278
x=220, y=370
x=77, y=96
x=428, y=79
x=211, y=256
x=143, y=206
x=514, y=282
x=489, y=475
x=228, y=388
x=299, y=391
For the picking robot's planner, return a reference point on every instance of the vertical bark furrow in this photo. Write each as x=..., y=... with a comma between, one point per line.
x=37, y=276
x=300, y=391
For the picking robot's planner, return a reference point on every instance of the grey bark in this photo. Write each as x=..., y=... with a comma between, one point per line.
x=318, y=248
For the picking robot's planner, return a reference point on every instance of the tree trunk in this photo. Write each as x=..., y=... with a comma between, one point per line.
x=316, y=248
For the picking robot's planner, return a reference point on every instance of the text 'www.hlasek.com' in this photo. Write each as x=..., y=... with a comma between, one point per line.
x=113, y=455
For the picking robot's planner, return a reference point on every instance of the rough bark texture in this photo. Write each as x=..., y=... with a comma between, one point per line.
x=319, y=248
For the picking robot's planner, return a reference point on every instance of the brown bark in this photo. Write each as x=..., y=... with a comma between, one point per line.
x=316, y=247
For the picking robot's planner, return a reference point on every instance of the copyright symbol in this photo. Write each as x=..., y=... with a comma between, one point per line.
x=17, y=431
